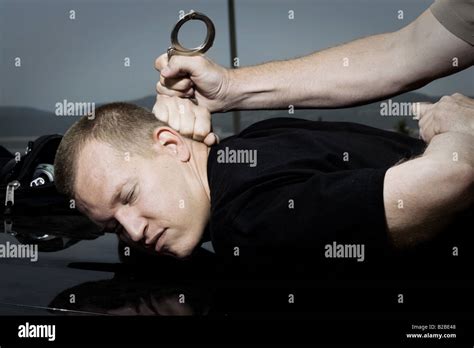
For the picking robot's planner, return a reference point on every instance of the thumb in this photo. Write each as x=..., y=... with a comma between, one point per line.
x=211, y=139
x=179, y=66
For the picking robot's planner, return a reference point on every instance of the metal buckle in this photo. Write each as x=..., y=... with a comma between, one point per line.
x=10, y=194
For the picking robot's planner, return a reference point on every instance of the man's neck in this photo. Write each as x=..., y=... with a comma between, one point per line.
x=199, y=158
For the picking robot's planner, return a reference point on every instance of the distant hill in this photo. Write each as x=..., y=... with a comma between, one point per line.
x=19, y=124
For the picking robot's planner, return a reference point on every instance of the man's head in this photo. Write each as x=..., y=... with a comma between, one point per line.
x=127, y=170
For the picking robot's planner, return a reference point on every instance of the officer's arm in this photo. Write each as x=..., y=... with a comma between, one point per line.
x=357, y=72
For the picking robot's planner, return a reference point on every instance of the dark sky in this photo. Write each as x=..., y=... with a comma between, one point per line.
x=82, y=59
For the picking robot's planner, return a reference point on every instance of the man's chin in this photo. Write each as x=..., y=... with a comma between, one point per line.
x=180, y=252
x=179, y=255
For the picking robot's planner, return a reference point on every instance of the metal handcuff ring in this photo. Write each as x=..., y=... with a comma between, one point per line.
x=177, y=49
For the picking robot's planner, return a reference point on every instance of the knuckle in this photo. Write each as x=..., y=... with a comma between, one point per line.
x=160, y=88
x=202, y=130
x=442, y=105
x=203, y=111
x=160, y=62
x=202, y=127
x=445, y=98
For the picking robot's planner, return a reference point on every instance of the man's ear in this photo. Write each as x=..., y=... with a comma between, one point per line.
x=166, y=139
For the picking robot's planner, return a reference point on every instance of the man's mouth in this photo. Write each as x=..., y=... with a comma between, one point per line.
x=157, y=241
x=161, y=240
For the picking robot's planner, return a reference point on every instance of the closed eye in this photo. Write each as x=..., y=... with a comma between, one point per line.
x=130, y=198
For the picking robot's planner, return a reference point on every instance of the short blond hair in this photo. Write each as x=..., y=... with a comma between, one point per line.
x=126, y=127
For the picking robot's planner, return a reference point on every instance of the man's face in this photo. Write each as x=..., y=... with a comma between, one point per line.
x=158, y=201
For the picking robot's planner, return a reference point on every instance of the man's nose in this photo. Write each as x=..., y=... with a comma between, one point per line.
x=133, y=225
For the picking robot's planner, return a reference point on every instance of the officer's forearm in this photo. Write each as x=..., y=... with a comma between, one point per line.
x=358, y=72
x=351, y=74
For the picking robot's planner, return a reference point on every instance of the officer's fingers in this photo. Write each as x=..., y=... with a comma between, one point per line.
x=202, y=125
x=422, y=133
x=422, y=123
x=420, y=109
x=162, y=90
x=179, y=66
x=459, y=96
x=161, y=62
x=462, y=99
x=181, y=85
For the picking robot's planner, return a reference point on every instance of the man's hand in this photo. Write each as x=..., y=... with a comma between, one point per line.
x=196, y=77
x=450, y=114
x=189, y=119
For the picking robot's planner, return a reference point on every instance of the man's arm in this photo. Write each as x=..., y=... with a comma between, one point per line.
x=357, y=72
x=421, y=196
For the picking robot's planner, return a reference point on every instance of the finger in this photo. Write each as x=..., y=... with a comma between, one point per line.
x=428, y=130
x=422, y=135
x=419, y=109
x=211, y=139
x=183, y=66
x=187, y=118
x=160, y=111
x=161, y=62
x=181, y=85
x=202, y=125
x=423, y=125
x=459, y=96
x=162, y=90
x=462, y=99
x=422, y=122
x=174, y=118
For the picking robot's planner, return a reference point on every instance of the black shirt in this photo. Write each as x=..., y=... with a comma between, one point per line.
x=313, y=183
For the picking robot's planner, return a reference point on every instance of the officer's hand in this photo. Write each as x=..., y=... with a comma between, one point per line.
x=196, y=77
x=450, y=114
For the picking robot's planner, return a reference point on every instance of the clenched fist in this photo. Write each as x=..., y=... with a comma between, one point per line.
x=194, y=77
x=184, y=116
x=450, y=114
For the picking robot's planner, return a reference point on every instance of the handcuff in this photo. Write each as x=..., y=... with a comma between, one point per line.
x=177, y=49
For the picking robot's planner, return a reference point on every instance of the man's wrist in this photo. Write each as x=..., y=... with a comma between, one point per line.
x=249, y=88
x=231, y=91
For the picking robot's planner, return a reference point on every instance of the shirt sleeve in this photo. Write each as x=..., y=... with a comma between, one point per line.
x=457, y=16
x=292, y=213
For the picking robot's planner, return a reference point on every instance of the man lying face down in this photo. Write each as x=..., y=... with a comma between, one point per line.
x=281, y=187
